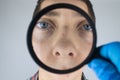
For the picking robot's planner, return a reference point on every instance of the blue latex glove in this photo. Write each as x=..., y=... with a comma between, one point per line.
x=103, y=69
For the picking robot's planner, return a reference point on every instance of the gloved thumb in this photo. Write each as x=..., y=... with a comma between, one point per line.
x=111, y=52
x=104, y=70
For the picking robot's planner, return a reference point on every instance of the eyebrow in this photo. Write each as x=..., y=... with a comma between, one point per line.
x=52, y=13
x=57, y=14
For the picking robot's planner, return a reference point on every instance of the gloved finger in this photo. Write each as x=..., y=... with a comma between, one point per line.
x=111, y=51
x=104, y=70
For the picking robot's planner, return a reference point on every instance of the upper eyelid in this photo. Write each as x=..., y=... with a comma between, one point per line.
x=46, y=20
x=82, y=23
x=51, y=22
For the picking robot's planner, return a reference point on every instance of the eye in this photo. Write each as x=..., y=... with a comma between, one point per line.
x=87, y=27
x=43, y=25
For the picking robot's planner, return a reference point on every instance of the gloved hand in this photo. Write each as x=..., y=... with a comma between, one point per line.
x=107, y=70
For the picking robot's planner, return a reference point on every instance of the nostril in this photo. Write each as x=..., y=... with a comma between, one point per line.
x=64, y=54
x=57, y=53
x=70, y=54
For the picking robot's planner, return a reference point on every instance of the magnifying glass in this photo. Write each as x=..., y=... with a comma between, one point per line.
x=47, y=46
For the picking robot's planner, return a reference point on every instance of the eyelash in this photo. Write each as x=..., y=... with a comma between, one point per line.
x=48, y=25
x=44, y=25
x=84, y=27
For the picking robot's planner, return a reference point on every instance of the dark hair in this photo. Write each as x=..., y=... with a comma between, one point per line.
x=87, y=2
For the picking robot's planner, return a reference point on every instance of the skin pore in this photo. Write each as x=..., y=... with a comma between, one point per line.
x=60, y=39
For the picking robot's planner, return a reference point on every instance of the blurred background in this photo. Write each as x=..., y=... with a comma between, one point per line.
x=15, y=16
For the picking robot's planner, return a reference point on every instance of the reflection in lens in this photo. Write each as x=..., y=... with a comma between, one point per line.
x=62, y=39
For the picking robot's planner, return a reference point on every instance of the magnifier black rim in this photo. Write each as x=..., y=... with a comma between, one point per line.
x=38, y=16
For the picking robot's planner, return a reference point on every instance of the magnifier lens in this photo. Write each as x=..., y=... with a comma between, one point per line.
x=62, y=39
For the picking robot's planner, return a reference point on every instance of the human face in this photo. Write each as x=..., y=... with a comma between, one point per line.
x=58, y=36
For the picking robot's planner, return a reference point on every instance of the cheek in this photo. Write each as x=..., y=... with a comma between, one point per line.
x=86, y=42
x=83, y=47
x=83, y=52
x=41, y=46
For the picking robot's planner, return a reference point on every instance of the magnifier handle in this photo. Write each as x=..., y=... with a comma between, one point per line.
x=98, y=56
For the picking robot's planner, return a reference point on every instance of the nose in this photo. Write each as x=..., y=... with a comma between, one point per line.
x=64, y=50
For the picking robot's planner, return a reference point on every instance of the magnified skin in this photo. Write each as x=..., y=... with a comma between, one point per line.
x=62, y=40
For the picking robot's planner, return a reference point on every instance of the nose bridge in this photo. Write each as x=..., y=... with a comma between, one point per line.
x=63, y=38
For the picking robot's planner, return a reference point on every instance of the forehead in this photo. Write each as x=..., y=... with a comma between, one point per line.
x=77, y=3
